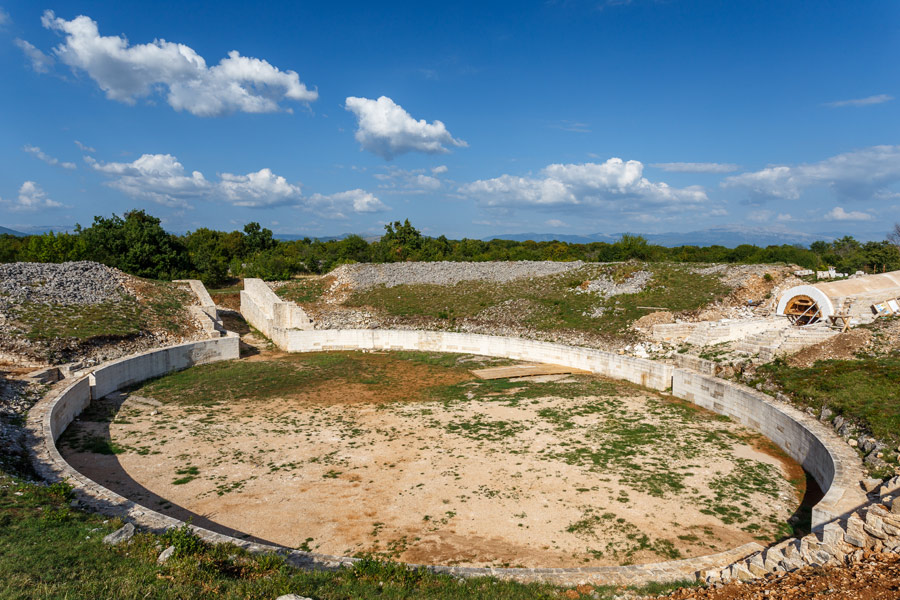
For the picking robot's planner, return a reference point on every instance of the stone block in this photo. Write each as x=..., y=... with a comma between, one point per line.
x=870, y=485
x=772, y=559
x=165, y=555
x=710, y=576
x=873, y=526
x=756, y=566
x=890, y=486
x=835, y=550
x=854, y=534
x=792, y=550
x=123, y=534
x=832, y=534
x=887, y=517
x=741, y=573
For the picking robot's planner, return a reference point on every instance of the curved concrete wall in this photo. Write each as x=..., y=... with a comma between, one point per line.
x=134, y=369
x=657, y=376
x=830, y=461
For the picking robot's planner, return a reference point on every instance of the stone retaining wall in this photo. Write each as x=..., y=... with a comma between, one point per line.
x=873, y=528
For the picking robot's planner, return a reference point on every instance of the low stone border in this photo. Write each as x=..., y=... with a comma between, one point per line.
x=875, y=528
x=801, y=434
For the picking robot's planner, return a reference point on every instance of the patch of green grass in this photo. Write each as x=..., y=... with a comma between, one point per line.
x=732, y=491
x=188, y=474
x=302, y=290
x=553, y=300
x=162, y=308
x=481, y=428
x=208, y=385
x=597, y=527
x=99, y=445
x=864, y=389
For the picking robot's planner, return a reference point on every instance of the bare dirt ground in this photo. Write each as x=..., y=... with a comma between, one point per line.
x=880, y=337
x=413, y=459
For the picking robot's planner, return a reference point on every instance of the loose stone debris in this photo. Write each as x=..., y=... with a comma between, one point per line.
x=123, y=534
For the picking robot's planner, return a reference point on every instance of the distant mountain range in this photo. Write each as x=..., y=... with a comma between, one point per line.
x=729, y=236
x=290, y=237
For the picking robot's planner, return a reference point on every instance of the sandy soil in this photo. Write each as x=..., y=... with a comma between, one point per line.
x=496, y=479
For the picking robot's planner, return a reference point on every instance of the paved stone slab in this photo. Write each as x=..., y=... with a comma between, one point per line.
x=524, y=371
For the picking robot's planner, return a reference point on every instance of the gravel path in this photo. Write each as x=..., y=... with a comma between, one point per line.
x=362, y=276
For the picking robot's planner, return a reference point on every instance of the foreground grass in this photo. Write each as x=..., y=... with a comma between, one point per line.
x=48, y=550
x=863, y=389
x=163, y=308
x=552, y=302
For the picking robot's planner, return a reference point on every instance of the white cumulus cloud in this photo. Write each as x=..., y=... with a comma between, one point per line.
x=163, y=179
x=867, y=101
x=839, y=214
x=31, y=198
x=336, y=206
x=416, y=181
x=854, y=175
x=127, y=72
x=696, y=167
x=40, y=62
x=50, y=160
x=258, y=190
x=157, y=177
x=615, y=185
x=387, y=130
x=4, y=17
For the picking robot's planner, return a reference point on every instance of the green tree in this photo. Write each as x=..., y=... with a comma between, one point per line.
x=136, y=244
x=257, y=239
x=209, y=255
x=400, y=241
x=634, y=246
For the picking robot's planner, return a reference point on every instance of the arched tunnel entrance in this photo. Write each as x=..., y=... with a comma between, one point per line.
x=802, y=310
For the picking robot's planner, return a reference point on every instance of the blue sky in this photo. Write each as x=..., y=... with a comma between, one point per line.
x=468, y=118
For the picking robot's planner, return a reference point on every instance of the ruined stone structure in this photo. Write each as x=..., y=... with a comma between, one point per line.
x=844, y=521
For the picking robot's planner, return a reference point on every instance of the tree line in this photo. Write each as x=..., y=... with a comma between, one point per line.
x=137, y=244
